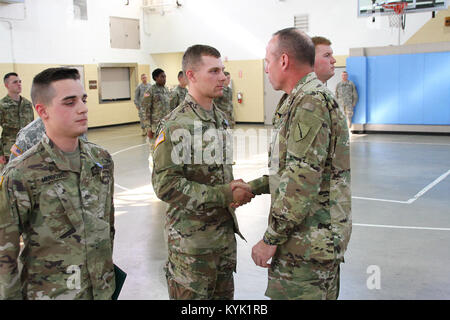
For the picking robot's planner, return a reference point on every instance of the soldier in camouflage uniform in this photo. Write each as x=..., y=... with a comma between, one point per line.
x=178, y=94
x=29, y=136
x=225, y=103
x=155, y=102
x=59, y=197
x=193, y=174
x=15, y=113
x=309, y=165
x=347, y=96
x=138, y=97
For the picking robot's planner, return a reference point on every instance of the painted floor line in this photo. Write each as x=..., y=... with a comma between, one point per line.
x=430, y=186
x=130, y=148
x=409, y=201
x=399, y=227
x=382, y=200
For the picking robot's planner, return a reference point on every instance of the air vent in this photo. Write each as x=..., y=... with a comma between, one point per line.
x=301, y=21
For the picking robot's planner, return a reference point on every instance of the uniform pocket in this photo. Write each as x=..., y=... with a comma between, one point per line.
x=59, y=212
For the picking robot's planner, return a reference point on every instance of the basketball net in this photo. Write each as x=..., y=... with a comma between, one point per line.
x=397, y=18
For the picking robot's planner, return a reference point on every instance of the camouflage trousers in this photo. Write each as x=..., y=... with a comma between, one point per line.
x=201, y=277
x=296, y=279
x=141, y=113
x=349, y=116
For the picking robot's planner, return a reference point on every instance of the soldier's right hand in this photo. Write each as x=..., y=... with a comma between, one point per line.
x=150, y=134
x=2, y=160
x=241, y=195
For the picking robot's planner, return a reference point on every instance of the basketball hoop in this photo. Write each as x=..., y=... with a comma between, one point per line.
x=398, y=18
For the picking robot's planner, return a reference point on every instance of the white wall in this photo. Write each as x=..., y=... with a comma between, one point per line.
x=240, y=29
x=44, y=31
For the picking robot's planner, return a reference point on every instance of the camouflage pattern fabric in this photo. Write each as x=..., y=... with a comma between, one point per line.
x=138, y=97
x=30, y=136
x=66, y=219
x=177, y=96
x=202, y=277
x=192, y=171
x=347, y=96
x=13, y=117
x=155, y=105
x=225, y=104
x=309, y=166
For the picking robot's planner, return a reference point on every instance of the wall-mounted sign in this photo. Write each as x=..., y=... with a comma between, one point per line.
x=92, y=84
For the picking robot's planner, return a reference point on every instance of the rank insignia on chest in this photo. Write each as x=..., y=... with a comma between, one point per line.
x=161, y=138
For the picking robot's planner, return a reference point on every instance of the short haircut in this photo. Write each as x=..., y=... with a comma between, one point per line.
x=5, y=78
x=180, y=74
x=156, y=73
x=41, y=89
x=193, y=55
x=296, y=44
x=320, y=40
x=344, y=71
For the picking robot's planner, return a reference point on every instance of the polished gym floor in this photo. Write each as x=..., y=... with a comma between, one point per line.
x=399, y=247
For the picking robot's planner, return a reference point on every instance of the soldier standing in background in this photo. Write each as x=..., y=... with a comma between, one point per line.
x=59, y=197
x=309, y=165
x=178, y=94
x=347, y=96
x=138, y=97
x=225, y=103
x=15, y=113
x=193, y=174
x=155, y=103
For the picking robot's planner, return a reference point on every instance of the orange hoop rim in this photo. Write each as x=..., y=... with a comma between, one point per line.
x=398, y=6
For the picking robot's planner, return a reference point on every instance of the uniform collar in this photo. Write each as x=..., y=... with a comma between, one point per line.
x=7, y=98
x=287, y=100
x=199, y=111
x=58, y=158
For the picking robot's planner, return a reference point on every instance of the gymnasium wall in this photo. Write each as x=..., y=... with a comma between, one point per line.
x=402, y=88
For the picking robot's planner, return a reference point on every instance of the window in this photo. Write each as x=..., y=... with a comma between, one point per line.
x=116, y=82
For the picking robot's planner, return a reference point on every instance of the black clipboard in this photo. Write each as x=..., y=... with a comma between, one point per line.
x=120, y=276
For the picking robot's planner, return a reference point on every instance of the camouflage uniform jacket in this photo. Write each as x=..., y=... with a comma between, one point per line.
x=346, y=95
x=139, y=93
x=177, y=96
x=13, y=117
x=29, y=136
x=225, y=103
x=309, y=175
x=155, y=105
x=192, y=172
x=66, y=219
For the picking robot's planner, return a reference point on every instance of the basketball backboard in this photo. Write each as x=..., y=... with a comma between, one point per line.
x=371, y=7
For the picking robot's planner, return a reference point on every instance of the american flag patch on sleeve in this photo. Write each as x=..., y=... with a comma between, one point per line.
x=15, y=150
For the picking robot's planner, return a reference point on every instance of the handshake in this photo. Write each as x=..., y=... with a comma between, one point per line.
x=242, y=193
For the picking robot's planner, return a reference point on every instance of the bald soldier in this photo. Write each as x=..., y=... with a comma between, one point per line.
x=59, y=197
x=309, y=164
x=15, y=113
x=193, y=174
